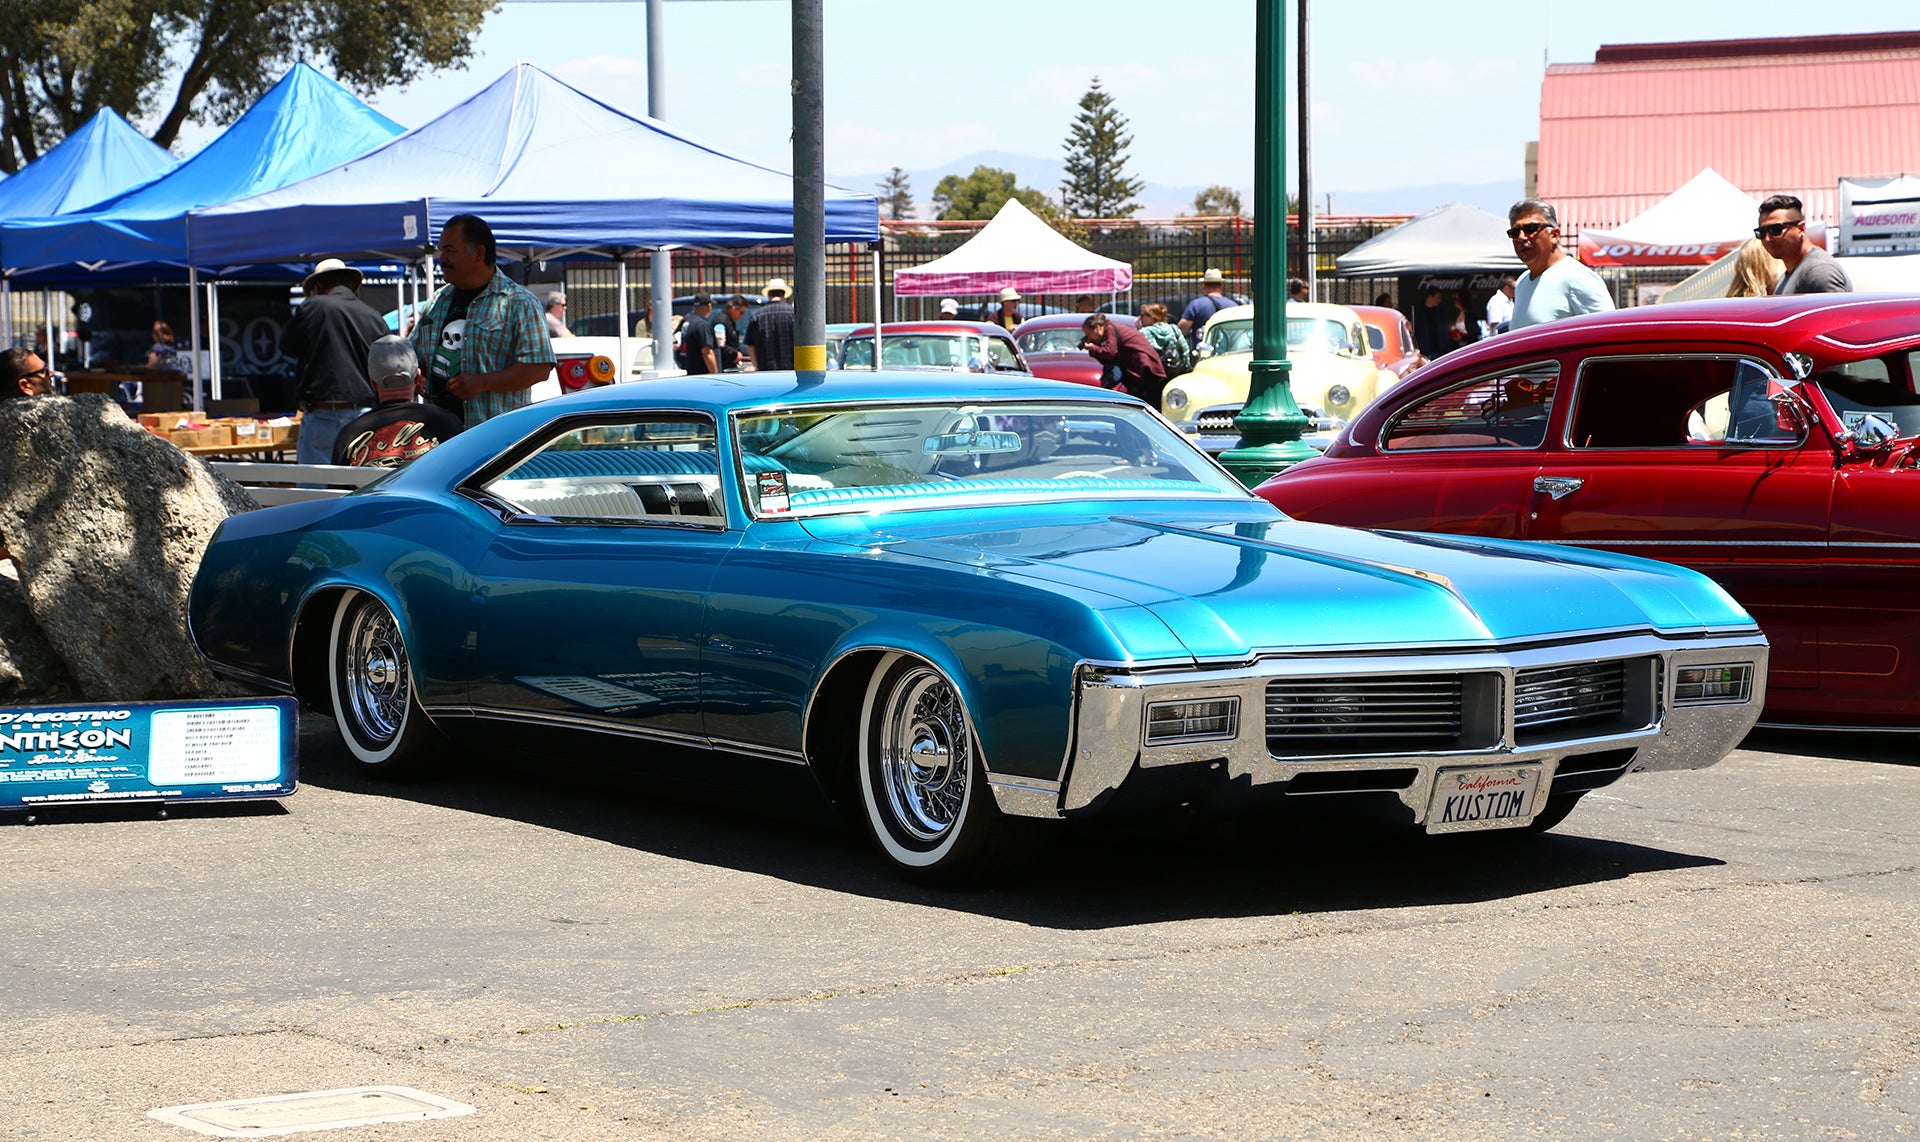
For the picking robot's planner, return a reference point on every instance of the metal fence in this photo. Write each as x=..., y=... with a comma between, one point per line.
x=1168, y=257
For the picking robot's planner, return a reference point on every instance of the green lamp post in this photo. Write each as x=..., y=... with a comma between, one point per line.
x=1270, y=423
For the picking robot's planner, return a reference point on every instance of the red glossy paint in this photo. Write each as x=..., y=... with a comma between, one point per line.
x=1815, y=534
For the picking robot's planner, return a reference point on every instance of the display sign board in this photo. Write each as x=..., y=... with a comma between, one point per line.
x=168, y=752
x=1880, y=215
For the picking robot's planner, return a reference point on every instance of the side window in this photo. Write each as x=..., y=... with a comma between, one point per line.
x=1004, y=359
x=1376, y=338
x=659, y=470
x=1678, y=402
x=1507, y=410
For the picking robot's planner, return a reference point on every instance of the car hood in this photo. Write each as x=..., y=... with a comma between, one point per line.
x=1231, y=589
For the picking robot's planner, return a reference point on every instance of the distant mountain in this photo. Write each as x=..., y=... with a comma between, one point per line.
x=1159, y=200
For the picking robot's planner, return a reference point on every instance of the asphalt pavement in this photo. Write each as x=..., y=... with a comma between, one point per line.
x=579, y=953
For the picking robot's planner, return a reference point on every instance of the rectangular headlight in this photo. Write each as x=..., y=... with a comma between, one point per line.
x=1721, y=684
x=1169, y=722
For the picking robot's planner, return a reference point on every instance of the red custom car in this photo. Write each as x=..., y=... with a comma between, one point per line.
x=1051, y=345
x=1770, y=443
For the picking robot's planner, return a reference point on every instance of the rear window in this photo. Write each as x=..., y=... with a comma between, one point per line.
x=1506, y=410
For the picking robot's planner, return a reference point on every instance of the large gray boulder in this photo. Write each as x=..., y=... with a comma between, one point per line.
x=106, y=524
x=31, y=670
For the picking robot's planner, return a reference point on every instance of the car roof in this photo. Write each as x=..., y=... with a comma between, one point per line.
x=1069, y=321
x=1344, y=314
x=1849, y=322
x=894, y=328
x=1376, y=314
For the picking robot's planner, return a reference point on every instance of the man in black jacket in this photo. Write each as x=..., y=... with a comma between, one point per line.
x=328, y=337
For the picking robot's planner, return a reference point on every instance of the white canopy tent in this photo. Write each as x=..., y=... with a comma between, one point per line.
x=1457, y=236
x=1705, y=219
x=1015, y=249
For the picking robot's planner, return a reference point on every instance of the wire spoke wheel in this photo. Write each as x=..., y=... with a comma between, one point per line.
x=371, y=685
x=924, y=755
x=921, y=776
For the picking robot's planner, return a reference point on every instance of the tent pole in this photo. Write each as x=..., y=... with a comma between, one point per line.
x=53, y=342
x=626, y=360
x=213, y=338
x=876, y=305
x=193, y=321
x=6, y=310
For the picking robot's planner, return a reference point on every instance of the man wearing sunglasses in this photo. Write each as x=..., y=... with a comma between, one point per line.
x=1554, y=285
x=1810, y=269
x=24, y=374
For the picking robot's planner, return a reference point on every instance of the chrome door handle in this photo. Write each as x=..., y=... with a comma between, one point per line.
x=1559, y=487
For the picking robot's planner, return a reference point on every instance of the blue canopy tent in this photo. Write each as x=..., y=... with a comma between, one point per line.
x=554, y=171
x=304, y=124
x=105, y=157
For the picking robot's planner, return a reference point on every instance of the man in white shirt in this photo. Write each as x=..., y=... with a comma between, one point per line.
x=1554, y=285
x=1500, y=306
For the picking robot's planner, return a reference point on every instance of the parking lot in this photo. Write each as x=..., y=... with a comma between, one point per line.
x=579, y=954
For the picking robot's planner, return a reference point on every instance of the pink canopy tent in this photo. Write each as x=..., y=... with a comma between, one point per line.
x=1016, y=249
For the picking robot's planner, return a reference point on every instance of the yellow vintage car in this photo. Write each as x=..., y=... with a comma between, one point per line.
x=1333, y=373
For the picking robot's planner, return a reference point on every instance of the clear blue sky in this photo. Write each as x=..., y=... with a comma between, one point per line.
x=1404, y=93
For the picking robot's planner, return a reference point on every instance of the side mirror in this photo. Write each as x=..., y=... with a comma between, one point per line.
x=1874, y=432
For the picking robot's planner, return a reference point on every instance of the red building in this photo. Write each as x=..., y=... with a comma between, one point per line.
x=1791, y=115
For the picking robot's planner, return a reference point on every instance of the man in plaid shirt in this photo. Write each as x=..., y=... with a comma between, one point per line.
x=483, y=338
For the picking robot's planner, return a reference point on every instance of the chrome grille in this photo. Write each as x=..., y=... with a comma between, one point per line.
x=1371, y=715
x=1586, y=694
x=1217, y=421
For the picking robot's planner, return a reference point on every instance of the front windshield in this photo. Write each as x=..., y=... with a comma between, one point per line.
x=893, y=457
x=1063, y=340
x=1310, y=334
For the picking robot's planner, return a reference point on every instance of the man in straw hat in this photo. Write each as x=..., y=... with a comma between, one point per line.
x=770, y=330
x=328, y=337
x=1212, y=299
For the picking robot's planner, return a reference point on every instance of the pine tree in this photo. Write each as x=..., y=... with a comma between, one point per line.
x=896, y=195
x=1097, y=185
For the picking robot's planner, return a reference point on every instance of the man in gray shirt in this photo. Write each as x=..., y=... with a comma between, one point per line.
x=1810, y=269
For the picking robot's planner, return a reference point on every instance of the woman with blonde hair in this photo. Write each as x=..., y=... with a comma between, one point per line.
x=1755, y=271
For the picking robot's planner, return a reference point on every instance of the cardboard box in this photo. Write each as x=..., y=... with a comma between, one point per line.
x=213, y=434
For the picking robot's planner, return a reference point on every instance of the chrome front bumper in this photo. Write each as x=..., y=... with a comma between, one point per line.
x=1111, y=715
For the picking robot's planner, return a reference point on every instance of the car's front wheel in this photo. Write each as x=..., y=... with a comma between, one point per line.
x=370, y=684
x=921, y=779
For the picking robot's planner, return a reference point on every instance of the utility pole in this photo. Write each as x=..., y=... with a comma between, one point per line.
x=810, y=193
x=1270, y=424
x=661, y=278
x=1307, y=256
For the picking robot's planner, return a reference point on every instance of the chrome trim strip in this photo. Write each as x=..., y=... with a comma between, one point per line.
x=620, y=729
x=1845, y=546
x=1837, y=729
x=1111, y=707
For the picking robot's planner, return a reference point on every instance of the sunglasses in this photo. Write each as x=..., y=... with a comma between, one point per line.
x=1773, y=229
x=1528, y=228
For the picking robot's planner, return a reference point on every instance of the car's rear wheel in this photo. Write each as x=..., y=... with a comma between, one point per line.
x=370, y=683
x=922, y=783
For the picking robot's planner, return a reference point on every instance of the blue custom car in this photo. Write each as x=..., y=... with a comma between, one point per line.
x=879, y=577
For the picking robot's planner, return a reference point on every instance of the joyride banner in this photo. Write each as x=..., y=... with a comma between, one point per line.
x=1599, y=248
x=165, y=752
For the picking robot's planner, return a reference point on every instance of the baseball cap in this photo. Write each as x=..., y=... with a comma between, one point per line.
x=391, y=363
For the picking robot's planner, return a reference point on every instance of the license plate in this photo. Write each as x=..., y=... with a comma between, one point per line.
x=1500, y=798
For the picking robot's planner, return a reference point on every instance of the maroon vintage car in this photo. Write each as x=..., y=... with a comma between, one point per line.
x=1051, y=345
x=1770, y=443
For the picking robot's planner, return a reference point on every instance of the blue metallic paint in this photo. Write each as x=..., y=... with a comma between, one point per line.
x=1007, y=601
